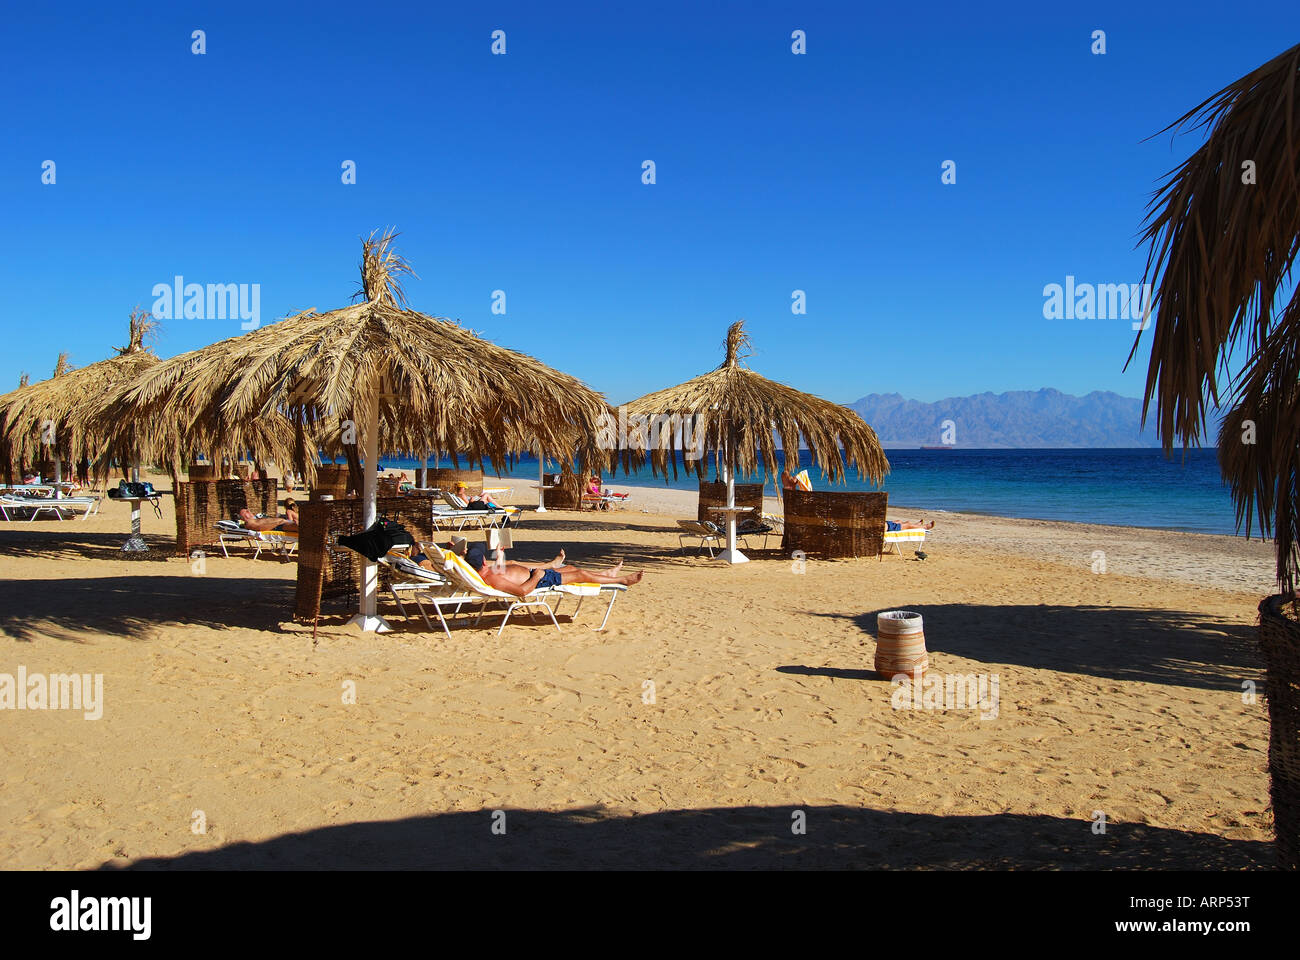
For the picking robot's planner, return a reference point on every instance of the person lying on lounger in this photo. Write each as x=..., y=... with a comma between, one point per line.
x=480, y=501
x=593, y=488
x=520, y=580
x=287, y=523
x=892, y=525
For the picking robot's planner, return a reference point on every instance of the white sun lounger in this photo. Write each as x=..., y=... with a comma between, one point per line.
x=468, y=578
x=893, y=538
x=232, y=531
x=458, y=513
x=425, y=586
x=87, y=506
x=709, y=535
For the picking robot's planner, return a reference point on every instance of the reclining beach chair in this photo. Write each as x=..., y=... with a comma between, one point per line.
x=458, y=512
x=895, y=537
x=708, y=533
x=38, y=505
x=425, y=586
x=233, y=531
x=469, y=578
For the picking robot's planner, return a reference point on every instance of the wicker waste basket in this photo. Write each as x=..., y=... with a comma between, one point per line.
x=900, y=644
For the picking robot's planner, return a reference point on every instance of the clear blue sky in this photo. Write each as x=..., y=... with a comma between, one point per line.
x=522, y=172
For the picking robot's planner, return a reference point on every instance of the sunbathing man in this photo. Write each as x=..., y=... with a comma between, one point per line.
x=520, y=580
x=288, y=523
x=892, y=525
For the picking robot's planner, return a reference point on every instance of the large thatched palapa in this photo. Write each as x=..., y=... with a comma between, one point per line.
x=739, y=414
x=58, y=416
x=395, y=378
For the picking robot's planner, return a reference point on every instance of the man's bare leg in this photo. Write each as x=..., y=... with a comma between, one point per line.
x=578, y=575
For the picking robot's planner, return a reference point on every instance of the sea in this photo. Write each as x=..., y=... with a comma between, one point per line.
x=1124, y=487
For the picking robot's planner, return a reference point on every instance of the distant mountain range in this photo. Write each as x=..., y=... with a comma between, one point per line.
x=1019, y=418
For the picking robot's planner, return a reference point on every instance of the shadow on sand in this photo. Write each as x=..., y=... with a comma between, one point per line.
x=733, y=838
x=1116, y=643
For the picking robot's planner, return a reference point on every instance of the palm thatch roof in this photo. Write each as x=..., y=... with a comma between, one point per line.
x=1224, y=230
x=733, y=397
x=440, y=386
x=67, y=402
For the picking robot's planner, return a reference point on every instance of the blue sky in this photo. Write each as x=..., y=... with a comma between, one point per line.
x=522, y=173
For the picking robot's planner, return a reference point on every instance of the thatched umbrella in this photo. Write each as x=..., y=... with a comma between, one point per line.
x=396, y=378
x=58, y=413
x=1224, y=230
x=737, y=413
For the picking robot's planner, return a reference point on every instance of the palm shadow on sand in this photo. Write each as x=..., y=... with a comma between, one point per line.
x=1115, y=643
x=731, y=838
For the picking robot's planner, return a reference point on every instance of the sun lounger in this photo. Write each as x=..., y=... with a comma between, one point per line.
x=425, y=586
x=893, y=539
x=754, y=527
x=605, y=500
x=468, y=578
x=38, y=505
x=705, y=531
x=459, y=513
x=283, y=542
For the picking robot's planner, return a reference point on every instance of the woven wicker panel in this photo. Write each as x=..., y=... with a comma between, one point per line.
x=563, y=491
x=713, y=493
x=328, y=573
x=201, y=503
x=829, y=524
x=46, y=469
x=386, y=487
x=1279, y=635
x=446, y=479
x=202, y=471
x=331, y=480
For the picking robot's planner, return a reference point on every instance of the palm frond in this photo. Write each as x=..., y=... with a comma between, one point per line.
x=1224, y=231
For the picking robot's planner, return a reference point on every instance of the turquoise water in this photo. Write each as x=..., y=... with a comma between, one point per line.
x=1137, y=487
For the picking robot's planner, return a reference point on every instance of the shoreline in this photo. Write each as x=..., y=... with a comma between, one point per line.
x=1204, y=559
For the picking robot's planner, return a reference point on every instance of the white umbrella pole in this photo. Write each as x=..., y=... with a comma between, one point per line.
x=541, y=483
x=368, y=619
x=731, y=554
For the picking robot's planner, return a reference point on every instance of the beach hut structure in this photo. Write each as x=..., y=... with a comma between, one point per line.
x=1224, y=231
x=733, y=415
x=396, y=379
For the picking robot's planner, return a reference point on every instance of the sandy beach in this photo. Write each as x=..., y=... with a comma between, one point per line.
x=727, y=717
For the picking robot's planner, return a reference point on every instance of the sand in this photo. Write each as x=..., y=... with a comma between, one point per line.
x=728, y=716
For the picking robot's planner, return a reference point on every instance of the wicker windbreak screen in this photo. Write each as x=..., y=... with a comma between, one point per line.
x=201, y=503
x=1279, y=635
x=562, y=491
x=714, y=494
x=446, y=478
x=834, y=523
x=328, y=573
